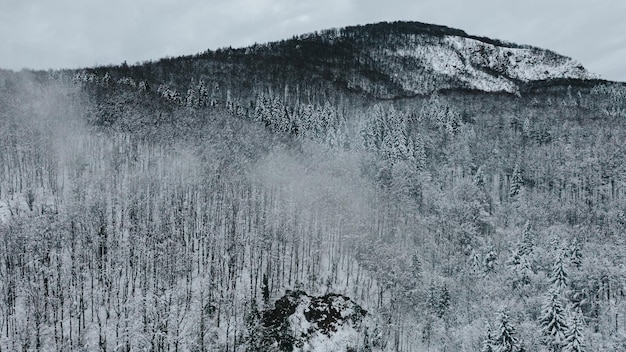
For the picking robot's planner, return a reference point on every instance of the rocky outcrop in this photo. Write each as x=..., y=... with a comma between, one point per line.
x=301, y=322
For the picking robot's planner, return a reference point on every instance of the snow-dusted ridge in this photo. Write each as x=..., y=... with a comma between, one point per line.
x=525, y=64
x=478, y=64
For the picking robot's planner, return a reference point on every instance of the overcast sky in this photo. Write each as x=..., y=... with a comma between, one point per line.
x=43, y=34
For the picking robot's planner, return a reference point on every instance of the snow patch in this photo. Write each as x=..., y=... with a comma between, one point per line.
x=26, y=204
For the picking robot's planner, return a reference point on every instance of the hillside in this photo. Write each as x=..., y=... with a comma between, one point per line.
x=388, y=187
x=384, y=60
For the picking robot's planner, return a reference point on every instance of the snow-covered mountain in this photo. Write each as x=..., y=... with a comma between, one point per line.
x=422, y=58
x=382, y=60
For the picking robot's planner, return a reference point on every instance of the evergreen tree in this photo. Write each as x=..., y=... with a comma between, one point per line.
x=559, y=276
x=553, y=323
x=488, y=342
x=416, y=266
x=418, y=152
x=305, y=120
x=516, y=182
x=519, y=265
x=475, y=261
x=203, y=94
x=527, y=244
x=504, y=339
x=490, y=261
x=574, y=339
x=261, y=109
x=439, y=300
x=192, y=100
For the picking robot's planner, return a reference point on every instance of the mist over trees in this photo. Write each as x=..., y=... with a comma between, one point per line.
x=177, y=205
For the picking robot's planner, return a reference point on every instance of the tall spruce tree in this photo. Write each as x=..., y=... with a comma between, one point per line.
x=504, y=339
x=488, y=342
x=574, y=339
x=553, y=322
x=516, y=182
x=559, y=276
x=528, y=243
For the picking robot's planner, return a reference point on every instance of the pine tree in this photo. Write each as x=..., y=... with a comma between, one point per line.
x=192, y=95
x=516, y=182
x=574, y=339
x=476, y=261
x=519, y=265
x=419, y=153
x=559, y=276
x=488, y=342
x=203, y=97
x=490, y=261
x=439, y=300
x=416, y=266
x=553, y=323
x=260, y=109
x=527, y=244
x=504, y=339
x=374, y=131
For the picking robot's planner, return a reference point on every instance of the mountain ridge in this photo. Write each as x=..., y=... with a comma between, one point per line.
x=385, y=60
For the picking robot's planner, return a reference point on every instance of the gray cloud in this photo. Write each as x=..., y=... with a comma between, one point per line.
x=77, y=33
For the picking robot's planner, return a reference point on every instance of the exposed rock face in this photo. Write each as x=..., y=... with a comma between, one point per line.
x=300, y=322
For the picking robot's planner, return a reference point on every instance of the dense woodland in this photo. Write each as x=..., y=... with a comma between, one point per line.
x=167, y=206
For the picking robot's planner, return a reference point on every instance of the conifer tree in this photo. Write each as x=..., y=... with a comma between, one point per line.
x=519, y=265
x=418, y=152
x=490, y=261
x=516, y=182
x=504, y=339
x=203, y=97
x=439, y=300
x=416, y=266
x=553, y=323
x=192, y=95
x=488, y=342
x=527, y=244
x=574, y=339
x=559, y=276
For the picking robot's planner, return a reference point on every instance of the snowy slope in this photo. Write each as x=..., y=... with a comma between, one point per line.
x=466, y=62
x=20, y=205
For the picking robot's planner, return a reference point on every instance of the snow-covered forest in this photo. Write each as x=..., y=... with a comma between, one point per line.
x=218, y=203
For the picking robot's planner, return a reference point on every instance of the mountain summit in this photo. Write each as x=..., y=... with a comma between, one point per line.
x=383, y=60
x=418, y=58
